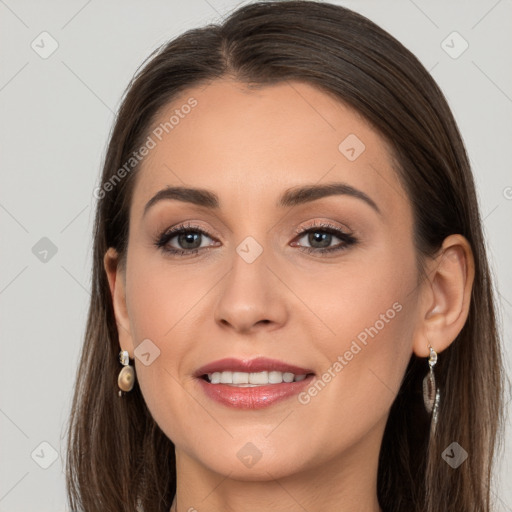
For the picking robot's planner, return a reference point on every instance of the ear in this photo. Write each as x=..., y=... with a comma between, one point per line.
x=446, y=296
x=117, y=283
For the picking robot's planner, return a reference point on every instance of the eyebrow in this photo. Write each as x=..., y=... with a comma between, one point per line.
x=291, y=197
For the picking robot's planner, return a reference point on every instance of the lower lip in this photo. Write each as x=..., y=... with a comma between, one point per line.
x=253, y=397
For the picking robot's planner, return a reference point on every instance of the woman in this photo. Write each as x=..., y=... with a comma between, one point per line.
x=291, y=306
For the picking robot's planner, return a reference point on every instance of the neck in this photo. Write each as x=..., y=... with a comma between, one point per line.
x=345, y=483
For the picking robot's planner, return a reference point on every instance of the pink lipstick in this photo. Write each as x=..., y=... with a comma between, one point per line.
x=252, y=384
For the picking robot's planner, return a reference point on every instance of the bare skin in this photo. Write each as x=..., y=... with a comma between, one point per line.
x=249, y=147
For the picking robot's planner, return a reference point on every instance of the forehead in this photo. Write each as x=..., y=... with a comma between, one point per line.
x=251, y=144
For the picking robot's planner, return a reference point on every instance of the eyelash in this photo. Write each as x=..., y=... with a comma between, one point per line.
x=347, y=239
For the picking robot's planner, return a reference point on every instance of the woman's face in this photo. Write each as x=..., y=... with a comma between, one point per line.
x=324, y=280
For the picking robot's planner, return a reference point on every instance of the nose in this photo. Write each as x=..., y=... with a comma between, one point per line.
x=251, y=297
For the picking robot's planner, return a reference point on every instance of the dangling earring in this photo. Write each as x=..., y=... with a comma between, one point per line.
x=126, y=378
x=431, y=394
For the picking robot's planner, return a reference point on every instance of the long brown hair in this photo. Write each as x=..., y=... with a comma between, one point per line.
x=118, y=458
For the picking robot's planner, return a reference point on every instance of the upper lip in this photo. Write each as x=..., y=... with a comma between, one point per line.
x=259, y=364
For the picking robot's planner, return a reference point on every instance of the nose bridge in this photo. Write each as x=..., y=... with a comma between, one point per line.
x=249, y=294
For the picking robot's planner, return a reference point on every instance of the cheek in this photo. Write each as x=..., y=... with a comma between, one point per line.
x=368, y=311
x=163, y=296
x=163, y=302
x=368, y=298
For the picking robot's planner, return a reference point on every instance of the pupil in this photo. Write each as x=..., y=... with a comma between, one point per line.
x=189, y=238
x=321, y=237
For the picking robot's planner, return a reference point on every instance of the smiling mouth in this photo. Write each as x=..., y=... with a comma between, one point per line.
x=245, y=390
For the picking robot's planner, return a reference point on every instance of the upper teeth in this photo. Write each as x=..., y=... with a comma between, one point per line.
x=253, y=379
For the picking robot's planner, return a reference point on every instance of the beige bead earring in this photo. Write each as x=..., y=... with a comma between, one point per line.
x=126, y=378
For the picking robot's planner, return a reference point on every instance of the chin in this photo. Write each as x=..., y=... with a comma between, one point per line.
x=253, y=458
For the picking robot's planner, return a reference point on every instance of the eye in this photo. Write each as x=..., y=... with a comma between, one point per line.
x=320, y=237
x=189, y=239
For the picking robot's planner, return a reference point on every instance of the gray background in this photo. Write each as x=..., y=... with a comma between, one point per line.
x=56, y=113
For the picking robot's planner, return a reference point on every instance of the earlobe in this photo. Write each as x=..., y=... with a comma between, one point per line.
x=447, y=296
x=116, y=281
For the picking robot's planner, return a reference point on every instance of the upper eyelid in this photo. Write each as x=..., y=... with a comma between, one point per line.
x=300, y=230
x=323, y=225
